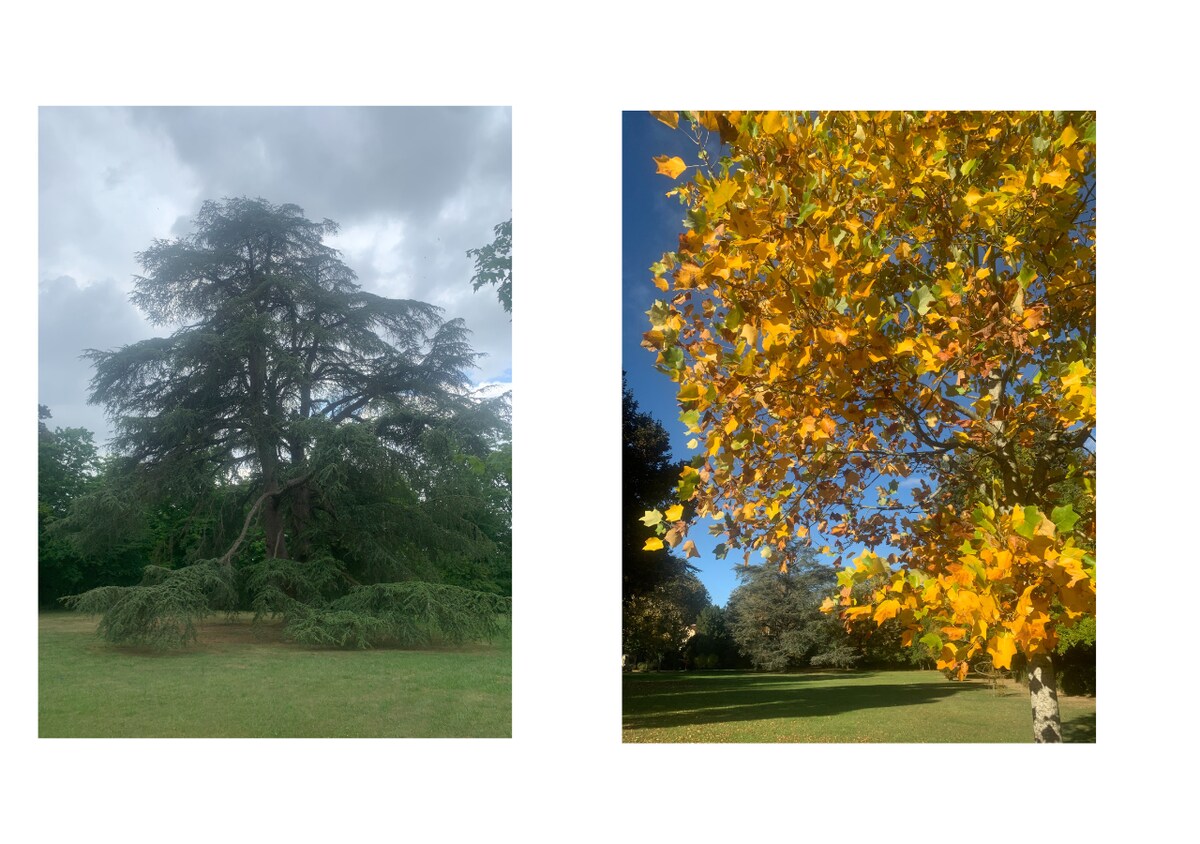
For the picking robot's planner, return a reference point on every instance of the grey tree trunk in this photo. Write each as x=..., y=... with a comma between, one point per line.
x=1043, y=696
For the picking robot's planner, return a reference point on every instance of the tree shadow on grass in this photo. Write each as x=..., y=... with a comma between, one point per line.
x=668, y=702
x=1080, y=729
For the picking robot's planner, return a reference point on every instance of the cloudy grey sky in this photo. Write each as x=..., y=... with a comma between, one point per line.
x=412, y=188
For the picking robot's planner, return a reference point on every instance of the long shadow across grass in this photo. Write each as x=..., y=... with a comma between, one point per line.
x=664, y=701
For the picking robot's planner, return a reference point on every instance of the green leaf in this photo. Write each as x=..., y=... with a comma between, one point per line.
x=1026, y=276
x=720, y=551
x=805, y=210
x=969, y=165
x=922, y=299
x=690, y=418
x=1064, y=518
x=932, y=641
x=734, y=318
x=1032, y=519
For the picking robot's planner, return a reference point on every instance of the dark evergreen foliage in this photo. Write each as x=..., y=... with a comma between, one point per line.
x=775, y=616
x=412, y=614
x=648, y=478
x=162, y=611
x=713, y=646
x=305, y=437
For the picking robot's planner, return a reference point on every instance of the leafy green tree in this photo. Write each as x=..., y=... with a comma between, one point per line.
x=775, y=616
x=493, y=264
x=657, y=624
x=67, y=464
x=322, y=436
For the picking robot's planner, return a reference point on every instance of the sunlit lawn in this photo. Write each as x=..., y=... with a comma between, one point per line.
x=835, y=706
x=242, y=682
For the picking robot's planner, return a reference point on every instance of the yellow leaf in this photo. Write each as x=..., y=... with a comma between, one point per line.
x=670, y=167
x=772, y=122
x=887, y=609
x=1056, y=178
x=660, y=282
x=671, y=118
x=653, y=544
x=1002, y=649
x=1068, y=136
x=722, y=193
x=675, y=513
x=651, y=518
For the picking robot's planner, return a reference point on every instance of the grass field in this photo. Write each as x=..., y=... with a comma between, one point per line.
x=835, y=706
x=245, y=681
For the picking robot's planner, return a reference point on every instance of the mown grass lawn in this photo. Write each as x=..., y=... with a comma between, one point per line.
x=242, y=681
x=835, y=706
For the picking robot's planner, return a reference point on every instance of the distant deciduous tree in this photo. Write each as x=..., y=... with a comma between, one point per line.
x=493, y=264
x=658, y=623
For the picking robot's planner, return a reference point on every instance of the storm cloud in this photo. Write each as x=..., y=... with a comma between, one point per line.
x=411, y=188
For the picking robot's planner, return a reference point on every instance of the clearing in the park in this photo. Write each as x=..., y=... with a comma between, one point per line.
x=244, y=680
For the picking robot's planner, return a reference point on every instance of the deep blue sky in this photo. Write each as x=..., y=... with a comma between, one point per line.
x=651, y=224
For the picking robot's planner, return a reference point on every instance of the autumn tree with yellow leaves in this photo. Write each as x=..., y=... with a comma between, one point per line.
x=882, y=329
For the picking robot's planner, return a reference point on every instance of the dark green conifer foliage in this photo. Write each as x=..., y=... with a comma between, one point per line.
x=411, y=614
x=162, y=611
x=304, y=436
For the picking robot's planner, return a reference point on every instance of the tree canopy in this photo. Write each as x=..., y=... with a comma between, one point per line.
x=326, y=435
x=882, y=328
